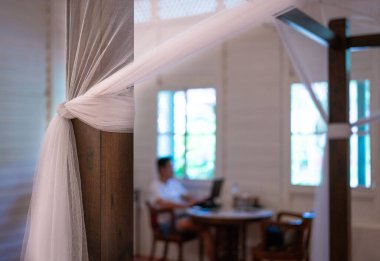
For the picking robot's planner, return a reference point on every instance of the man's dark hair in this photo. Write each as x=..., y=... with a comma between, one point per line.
x=161, y=162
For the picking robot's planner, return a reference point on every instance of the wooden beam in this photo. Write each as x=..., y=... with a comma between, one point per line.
x=306, y=25
x=363, y=41
x=339, y=160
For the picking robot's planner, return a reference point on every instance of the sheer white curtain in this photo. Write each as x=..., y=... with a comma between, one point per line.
x=56, y=229
x=100, y=93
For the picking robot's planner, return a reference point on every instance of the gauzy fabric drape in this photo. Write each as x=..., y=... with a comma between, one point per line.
x=99, y=92
x=56, y=229
x=310, y=62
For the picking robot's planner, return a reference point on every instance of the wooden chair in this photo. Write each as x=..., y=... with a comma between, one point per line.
x=293, y=231
x=172, y=236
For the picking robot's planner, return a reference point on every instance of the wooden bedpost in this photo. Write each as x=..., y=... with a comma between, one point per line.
x=106, y=169
x=339, y=157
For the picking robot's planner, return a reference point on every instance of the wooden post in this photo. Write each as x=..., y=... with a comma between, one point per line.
x=106, y=169
x=339, y=157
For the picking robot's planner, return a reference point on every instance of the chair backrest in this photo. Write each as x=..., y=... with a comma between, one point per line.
x=279, y=237
x=306, y=219
x=154, y=214
x=286, y=238
x=289, y=216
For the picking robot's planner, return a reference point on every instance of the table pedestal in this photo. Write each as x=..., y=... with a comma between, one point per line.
x=230, y=230
x=230, y=243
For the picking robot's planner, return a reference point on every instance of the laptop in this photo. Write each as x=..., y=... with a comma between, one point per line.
x=215, y=193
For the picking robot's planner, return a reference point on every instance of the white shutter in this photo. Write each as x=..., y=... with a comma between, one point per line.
x=23, y=56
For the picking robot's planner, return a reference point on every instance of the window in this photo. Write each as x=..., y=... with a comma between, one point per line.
x=232, y=3
x=169, y=9
x=186, y=131
x=142, y=11
x=308, y=133
x=155, y=10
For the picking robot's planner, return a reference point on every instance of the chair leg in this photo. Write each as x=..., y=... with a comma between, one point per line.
x=166, y=248
x=180, y=253
x=151, y=258
x=201, y=254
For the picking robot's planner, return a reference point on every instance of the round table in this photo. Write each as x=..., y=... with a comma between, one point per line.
x=230, y=227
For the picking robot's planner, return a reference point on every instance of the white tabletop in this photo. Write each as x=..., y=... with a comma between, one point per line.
x=230, y=214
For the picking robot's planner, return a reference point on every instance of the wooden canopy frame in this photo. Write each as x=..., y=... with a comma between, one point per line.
x=339, y=42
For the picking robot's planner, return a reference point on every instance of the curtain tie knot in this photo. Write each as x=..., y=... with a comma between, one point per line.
x=64, y=112
x=339, y=131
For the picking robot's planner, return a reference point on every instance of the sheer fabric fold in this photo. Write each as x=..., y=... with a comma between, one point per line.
x=55, y=229
x=98, y=45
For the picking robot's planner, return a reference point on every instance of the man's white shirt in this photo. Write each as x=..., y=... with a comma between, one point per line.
x=171, y=190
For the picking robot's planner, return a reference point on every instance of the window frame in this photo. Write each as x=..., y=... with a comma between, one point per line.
x=360, y=131
x=186, y=134
x=292, y=192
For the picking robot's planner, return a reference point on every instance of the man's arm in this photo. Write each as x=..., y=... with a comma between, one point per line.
x=189, y=199
x=171, y=205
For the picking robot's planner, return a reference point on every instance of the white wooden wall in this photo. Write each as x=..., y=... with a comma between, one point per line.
x=23, y=113
x=31, y=69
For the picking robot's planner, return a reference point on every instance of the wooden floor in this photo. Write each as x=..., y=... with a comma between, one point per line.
x=147, y=259
x=140, y=259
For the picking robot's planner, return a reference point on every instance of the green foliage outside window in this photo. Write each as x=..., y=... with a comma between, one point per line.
x=187, y=131
x=308, y=135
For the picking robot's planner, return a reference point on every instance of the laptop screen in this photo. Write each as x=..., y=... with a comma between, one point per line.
x=216, y=188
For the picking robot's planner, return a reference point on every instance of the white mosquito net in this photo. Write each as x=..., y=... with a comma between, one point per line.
x=100, y=93
x=309, y=60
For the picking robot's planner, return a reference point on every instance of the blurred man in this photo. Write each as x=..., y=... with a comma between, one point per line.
x=167, y=192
